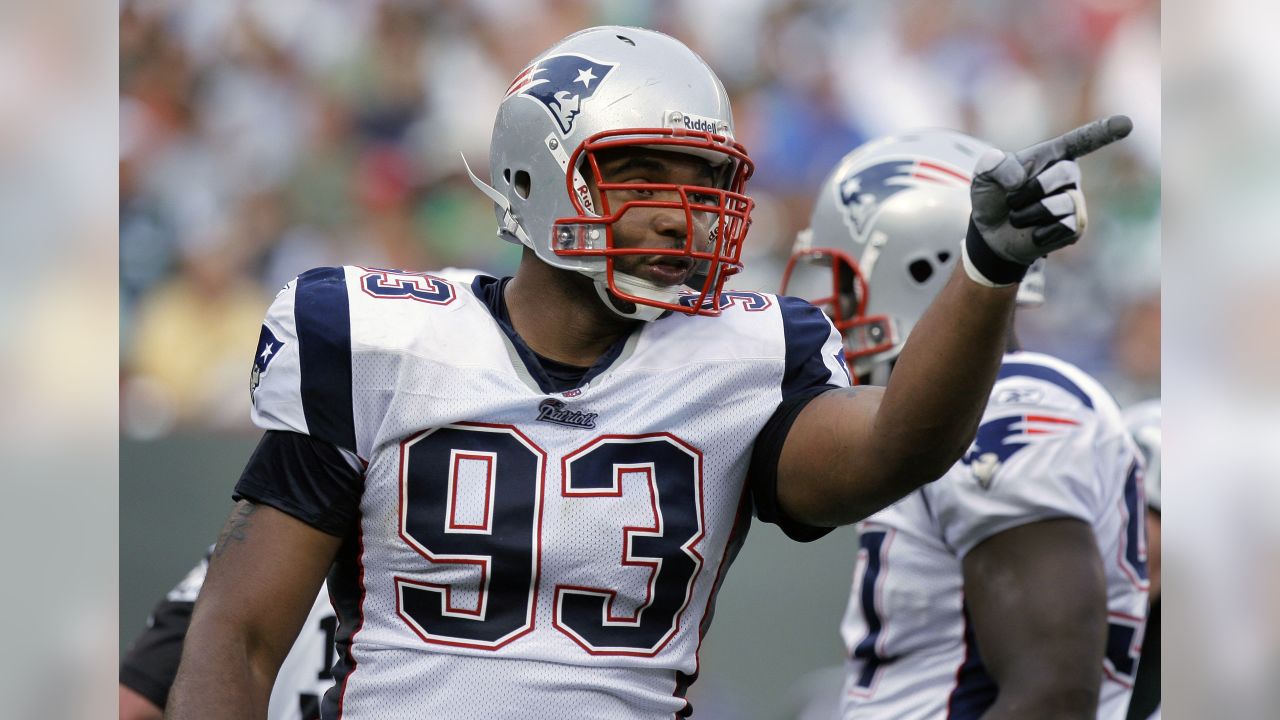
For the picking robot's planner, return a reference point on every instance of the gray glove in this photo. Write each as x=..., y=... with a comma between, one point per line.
x=1028, y=204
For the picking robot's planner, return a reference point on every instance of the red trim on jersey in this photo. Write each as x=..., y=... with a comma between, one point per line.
x=398, y=582
x=486, y=518
x=403, y=281
x=890, y=534
x=743, y=513
x=1122, y=547
x=1139, y=625
x=653, y=565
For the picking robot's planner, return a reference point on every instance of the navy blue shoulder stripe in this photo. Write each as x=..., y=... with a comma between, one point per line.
x=322, y=315
x=805, y=330
x=1040, y=372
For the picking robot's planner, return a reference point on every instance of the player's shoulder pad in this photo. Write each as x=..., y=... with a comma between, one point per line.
x=1037, y=401
x=301, y=375
x=739, y=329
x=1036, y=379
x=766, y=326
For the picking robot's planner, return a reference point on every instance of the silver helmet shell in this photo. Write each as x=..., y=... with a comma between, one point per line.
x=610, y=87
x=883, y=236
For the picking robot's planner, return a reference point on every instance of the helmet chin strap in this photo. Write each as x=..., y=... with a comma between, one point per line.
x=634, y=286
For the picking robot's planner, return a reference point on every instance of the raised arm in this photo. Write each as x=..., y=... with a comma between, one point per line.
x=852, y=452
x=1037, y=602
x=263, y=578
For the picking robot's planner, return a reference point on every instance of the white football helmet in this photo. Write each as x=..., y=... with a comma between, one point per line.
x=605, y=88
x=884, y=234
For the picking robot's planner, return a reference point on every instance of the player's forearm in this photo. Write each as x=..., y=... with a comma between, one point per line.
x=220, y=678
x=942, y=379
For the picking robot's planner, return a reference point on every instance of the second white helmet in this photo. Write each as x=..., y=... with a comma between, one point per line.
x=883, y=236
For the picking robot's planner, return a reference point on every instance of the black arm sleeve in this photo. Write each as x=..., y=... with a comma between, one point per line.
x=306, y=478
x=763, y=472
x=151, y=663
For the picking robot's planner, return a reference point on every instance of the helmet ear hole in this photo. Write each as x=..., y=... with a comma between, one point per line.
x=506, y=175
x=943, y=257
x=522, y=184
x=921, y=270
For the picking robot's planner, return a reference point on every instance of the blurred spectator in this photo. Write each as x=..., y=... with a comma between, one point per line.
x=327, y=132
x=189, y=359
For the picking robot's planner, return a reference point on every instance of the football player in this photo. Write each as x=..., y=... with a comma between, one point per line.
x=151, y=662
x=1143, y=420
x=1015, y=585
x=529, y=489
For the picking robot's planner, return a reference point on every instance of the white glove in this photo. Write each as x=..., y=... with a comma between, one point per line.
x=1028, y=204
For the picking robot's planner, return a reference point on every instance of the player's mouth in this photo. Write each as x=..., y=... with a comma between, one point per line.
x=666, y=269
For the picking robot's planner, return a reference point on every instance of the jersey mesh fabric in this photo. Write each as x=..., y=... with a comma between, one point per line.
x=599, y=529
x=1051, y=444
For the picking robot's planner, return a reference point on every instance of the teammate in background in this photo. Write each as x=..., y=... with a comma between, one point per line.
x=1015, y=585
x=1143, y=420
x=529, y=488
x=151, y=662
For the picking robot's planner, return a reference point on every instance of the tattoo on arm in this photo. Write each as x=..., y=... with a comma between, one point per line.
x=236, y=528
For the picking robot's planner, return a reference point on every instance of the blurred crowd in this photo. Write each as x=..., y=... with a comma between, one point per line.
x=261, y=139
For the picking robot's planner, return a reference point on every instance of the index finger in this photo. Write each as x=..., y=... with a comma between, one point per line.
x=1076, y=143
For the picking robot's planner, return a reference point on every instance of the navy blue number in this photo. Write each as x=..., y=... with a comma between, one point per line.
x=873, y=543
x=1124, y=633
x=1123, y=648
x=329, y=626
x=1135, y=540
x=407, y=286
x=309, y=703
x=589, y=615
x=496, y=558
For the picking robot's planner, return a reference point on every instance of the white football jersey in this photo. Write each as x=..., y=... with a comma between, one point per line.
x=523, y=552
x=1051, y=444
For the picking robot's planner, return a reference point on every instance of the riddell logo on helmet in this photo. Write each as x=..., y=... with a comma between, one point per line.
x=703, y=124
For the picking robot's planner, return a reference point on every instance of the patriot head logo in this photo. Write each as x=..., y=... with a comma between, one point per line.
x=561, y=83
x=999, y=439
x=268, y=348
x=864, y=192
